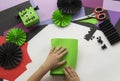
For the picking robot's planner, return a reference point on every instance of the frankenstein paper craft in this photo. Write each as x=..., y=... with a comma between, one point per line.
x=69, y=6
x=60, y=19
x=71, y=56
x=29, y=17
x=16, y=35
x=11, y=20
x=10, y=55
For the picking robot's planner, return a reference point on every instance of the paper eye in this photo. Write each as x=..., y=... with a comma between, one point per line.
x=31, y=12
x=26, y=15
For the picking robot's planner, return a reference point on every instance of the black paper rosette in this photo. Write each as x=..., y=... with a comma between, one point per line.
x=10, y=55
x=69, y=6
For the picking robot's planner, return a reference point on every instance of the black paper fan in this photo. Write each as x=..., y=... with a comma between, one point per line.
x=10, y=55
x=69, y=6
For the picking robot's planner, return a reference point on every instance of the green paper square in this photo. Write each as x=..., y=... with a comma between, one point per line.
x=29, y=17
x=70, y=57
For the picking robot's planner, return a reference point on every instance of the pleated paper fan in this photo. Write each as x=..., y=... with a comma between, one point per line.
x=60, y=19
x=10, y=55
x=69, y=6
x=16, y=35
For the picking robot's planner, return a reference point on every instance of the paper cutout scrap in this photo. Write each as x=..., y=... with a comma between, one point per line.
x=91, y=21
x=12, y=74
x=69, y=6
x=10, y=55
x=60, y=19
x=16, y=35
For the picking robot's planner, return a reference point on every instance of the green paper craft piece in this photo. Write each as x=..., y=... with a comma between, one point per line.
x=60, y=19
x=29, y=17
x=17, y=36
x=70, y=57
x=90, y=20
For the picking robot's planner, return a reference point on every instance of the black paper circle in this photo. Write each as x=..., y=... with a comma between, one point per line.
x=69, y=6
x=10, y=55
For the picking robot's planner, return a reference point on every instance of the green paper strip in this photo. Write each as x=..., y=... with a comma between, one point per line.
x=91, y=21
x=60, y=19
x=70, y=57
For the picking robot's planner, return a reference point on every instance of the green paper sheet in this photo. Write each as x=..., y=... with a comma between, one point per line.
x=90, y=20
x=70, y=57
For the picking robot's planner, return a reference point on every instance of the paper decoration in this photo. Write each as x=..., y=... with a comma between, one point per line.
x=60, y=19
x=71, y=57
x=90, y=20
x=69, y=6
x=10, y=55
x=16, y=35
x=12, y=74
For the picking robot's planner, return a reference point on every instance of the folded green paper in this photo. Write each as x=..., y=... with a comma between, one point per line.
x=70, y=57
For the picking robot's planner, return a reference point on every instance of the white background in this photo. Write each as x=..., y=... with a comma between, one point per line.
x=93, y=64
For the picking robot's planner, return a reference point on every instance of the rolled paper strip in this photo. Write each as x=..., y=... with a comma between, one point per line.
x=16, y=35
x=60, y=19
x=10, y=55
x=69, y=6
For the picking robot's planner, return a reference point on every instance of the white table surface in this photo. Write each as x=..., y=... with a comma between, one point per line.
x=93, y=63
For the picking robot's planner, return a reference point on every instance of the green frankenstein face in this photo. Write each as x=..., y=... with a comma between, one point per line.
x=29, y=17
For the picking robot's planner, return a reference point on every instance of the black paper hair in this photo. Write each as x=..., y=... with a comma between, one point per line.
x=10, y=55
x=69, y=6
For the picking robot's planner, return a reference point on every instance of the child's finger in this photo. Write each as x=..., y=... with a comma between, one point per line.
x=57, y=49
x=74, y=73
x=60, y=51
x=66, y=73
x=63, y=53
x=52, y=49
x=61, y=63
x=69, y=71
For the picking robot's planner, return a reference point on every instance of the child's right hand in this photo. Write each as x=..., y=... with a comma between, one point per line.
x=70, y=74
x=54, y=58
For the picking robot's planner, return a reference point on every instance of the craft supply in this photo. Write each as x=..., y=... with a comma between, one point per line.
x=110, y=32
x=69, y=6
x=10, y=55
x=104, y=47
x=99, y=40
x=71, y=56
x=98, y=13
x=16, y=35
x=12, y=74
x=60, y=19
x=29, y=17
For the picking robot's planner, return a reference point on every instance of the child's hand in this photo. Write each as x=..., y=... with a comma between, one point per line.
x=71, y=75
x=54, y=57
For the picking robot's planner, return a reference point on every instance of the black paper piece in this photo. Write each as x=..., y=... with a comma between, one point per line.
x=9, y=17
x=110, y=32
x=69, y=6
x=10, y=55
x=92, y=30
x=117, y=26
